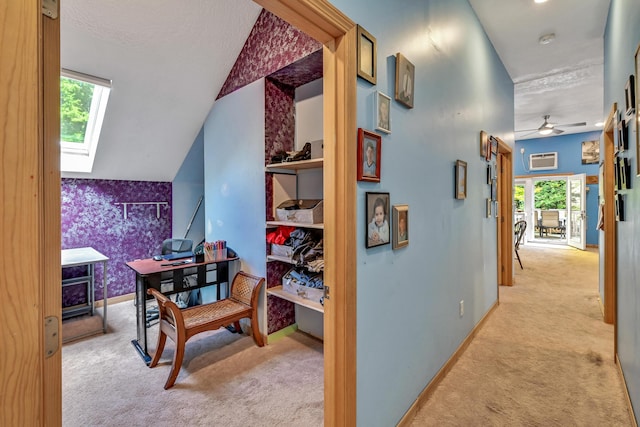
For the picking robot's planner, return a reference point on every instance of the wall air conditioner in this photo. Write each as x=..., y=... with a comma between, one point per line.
x=543, y=161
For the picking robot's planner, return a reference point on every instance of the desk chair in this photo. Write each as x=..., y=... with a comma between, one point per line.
x=519, y=228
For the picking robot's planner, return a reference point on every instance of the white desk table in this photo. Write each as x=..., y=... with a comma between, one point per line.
x=88, y=257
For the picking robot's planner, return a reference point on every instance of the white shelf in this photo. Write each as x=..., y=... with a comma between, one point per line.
x=319, y=226
x=278, y=292
x=287, y=167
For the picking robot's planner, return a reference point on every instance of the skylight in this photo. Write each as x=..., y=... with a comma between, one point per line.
x=83, y=102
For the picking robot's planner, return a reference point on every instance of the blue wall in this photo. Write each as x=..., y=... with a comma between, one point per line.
x=408, y=299
x=569, y=149
x=188, y=187
x=620, y=42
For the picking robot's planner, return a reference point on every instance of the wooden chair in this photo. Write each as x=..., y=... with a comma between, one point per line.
x=180, y=325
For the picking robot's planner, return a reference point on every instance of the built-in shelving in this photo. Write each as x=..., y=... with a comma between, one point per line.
x=292, y=167
x=280, y=293
x=319, y=226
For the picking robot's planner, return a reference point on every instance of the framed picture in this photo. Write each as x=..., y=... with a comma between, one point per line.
x=377, y=219
x=489, y=174
x=461, y=179
x=494, y=146
x=590, y=152
x=400, y=226
x=619, y=207
x=489, y=203
x=494, y=189
x=383, y=112
x=405, y=80
x=485, y=149
x=637, y=99
x=367, y=53
x=623, y=135
x=369, y=152
x=630, y=96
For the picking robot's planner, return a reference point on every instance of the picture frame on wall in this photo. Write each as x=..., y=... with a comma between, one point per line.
x=400, y=226
x=489, y=203
x=485, y=148
x=369, y=155
x=377, y=219
x=367, y=52
x=590, y=152
x=623, y=135
x=619, y=207
x=383, y=112
x=461, y=179
x=405, y=80
x=493, y=142
x=630, y=96
x=637, y=109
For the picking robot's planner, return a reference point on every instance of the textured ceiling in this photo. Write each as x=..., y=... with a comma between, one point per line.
x=563, y=78
x=167, y=59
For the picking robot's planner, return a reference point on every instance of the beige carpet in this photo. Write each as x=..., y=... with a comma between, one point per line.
x=226, y=380
x=544, y=358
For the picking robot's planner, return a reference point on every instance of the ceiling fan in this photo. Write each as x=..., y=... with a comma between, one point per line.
x=548, y=128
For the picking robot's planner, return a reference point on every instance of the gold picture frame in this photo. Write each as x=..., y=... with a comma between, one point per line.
x=400, y=226
x=461, y=179
x=367, y=52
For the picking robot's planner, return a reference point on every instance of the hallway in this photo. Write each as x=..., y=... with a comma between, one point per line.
x=543, y=358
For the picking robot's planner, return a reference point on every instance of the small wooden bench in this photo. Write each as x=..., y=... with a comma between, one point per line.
x=180, y=325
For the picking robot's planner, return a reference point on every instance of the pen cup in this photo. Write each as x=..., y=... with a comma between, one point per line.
x=200, y=257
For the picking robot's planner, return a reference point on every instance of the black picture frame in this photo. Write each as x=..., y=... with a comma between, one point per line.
x=619, y=207
x=367, y=52
x=461, y=180
x=630, y=96
x=377, y=233
x=405, y=81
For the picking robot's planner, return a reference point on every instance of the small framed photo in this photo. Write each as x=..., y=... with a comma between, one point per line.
x=485, y=148
x=489, y=174
x=369, y=154
x=489, y=203
x=367, y=52
x=383, y=112
x=619, y=207
x=400, y=226
x=590, y=152
x=494, y=146
x=494, y=189
x=405, y=80
x=377, y=219
x=461, y=180
x=630, y=95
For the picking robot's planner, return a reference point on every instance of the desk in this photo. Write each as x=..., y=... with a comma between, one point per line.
x=152, y=274
x=88, y=257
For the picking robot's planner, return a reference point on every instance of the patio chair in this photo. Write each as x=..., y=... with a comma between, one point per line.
x=519, y=228
x=550, y=221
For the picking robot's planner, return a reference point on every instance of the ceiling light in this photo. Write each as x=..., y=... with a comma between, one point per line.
x=547, y=38
x=599, y=124
x=545, y=131
x=539, y=1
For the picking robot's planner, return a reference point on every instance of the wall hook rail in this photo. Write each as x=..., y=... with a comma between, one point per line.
x=158, y=204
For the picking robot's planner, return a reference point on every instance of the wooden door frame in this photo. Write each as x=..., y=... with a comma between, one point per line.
x=504, y=165
x=610, y=226
x=31, y=374
x=322, y=21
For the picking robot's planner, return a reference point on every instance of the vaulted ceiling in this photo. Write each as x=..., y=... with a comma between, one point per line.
x=168, y=60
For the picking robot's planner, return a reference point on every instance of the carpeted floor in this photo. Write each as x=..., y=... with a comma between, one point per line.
x=225, y=380
x=544, y=358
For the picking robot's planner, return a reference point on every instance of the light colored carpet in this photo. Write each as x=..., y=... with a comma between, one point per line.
x=543, y=358
x=225, y=380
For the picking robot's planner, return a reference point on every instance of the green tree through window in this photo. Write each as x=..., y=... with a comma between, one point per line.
x=550, y=195
x=75, y=103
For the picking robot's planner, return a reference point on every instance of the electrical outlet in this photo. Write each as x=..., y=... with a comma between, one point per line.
x=522, y=151
x=461, y=308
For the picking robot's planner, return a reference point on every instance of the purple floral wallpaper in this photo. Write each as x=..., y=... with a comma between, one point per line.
x=271, y=45
x=280, y=313
x=91, y=217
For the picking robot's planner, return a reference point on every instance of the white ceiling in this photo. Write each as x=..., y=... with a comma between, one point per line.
x=563, y=78
x=168, y=60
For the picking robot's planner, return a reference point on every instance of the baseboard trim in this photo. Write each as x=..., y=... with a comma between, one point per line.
x=592, y=245
x=408, y=417
x=626, y=393
x=116, y=300
x=271, y=338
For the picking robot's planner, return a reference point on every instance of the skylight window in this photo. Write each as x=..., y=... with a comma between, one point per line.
x=83, y=102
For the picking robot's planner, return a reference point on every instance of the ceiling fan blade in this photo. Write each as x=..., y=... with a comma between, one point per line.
x=526, y=130
x=526, y=135
x=573, y=124
x=556, y=131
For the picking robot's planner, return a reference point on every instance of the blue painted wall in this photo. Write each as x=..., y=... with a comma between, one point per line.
x=188, y=187
x=569, y=149
x=408, y=299
x=621, y=40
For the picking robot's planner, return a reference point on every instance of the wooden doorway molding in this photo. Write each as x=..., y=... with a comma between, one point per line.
x=322, y=21
x=610, y=226
x=504, y=169
x=30, y=372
